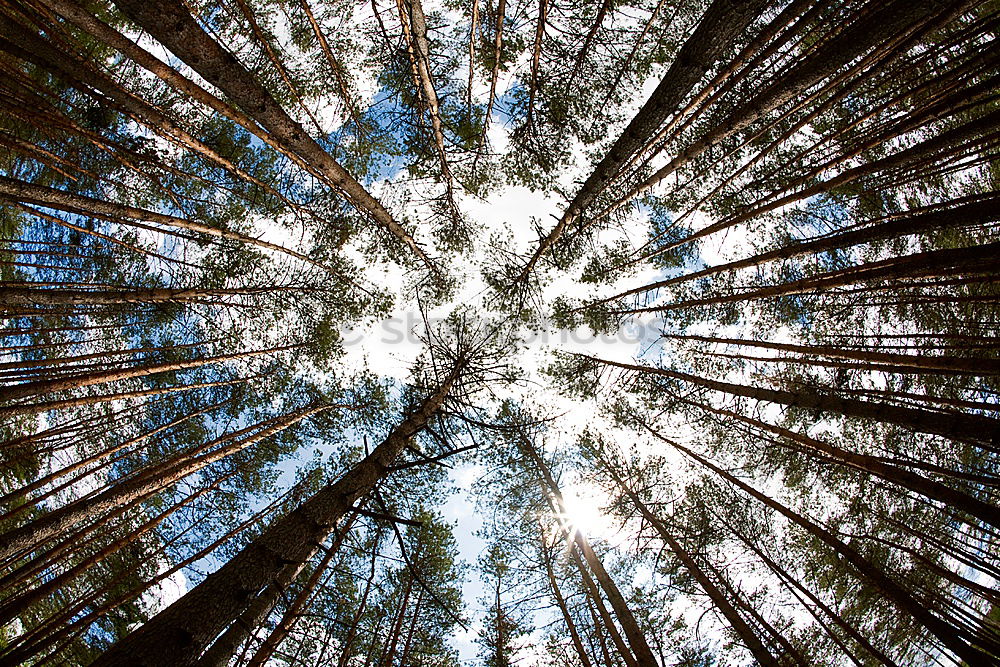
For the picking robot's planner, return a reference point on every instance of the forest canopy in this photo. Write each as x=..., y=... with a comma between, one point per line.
x=399, y=333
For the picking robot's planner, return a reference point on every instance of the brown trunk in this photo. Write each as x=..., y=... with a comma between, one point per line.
x=905, y=363
x=397, y=625
x=882, y=25
x=948, y=635
x=272, y=55
x=171, y=24
x=294, y=610
x=594, y=595
x=878, y=467
x=795, y=583
x=49, y=297
x=974, y=428
x=177, y=635
x=83, y=462
x=422, y=57
x=335, y=66
x=536, y=54
x=39, y=644
x=980, y=366
x=352, y=632
x=980, y=210
x=981, y=260
x=599, y=632
x=14, y=606
x=29, y=46
x=146, y=483
x=35, y=408
x=495, y=73
x=21, y=191
x=585, y=49
x=718, y=598
x=936, y=147
x=41, y=387
x=472, y=56
x=561, y=603
x=636, y=637
x=721, y=23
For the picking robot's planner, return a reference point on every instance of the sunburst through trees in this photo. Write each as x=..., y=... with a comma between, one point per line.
x=687, y=310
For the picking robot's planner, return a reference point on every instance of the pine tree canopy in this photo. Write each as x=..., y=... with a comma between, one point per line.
x=499, y=333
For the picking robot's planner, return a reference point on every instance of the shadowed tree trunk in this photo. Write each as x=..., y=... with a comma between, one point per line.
x=179, y=634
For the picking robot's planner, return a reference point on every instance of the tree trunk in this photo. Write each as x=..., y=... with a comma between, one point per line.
x=21, y=191
x=287, y=622
x=79, y=297
x=561, y=603
x=352, y=631
x=719, y=26
x=26, y=389
x=967, y=427
x=171, y=24
x=594, y=595
x=718, y=598
x=178, y=634
x=146, y=483
x=981, y=260
x=948, y=634
x=980, y=210
x=34, y=408
x=636, y=637
x=880, y=26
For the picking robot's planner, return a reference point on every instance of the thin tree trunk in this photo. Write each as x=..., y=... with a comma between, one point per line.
x=973, y=428
x=882, y=25
x=35, y=408
x=21, y=191
x=720, y=24
x=40, y=387
x=561, y=603
x=979, y=366
x=893, y=591
x=717, y=596
x=636, y=638
x=794, y=582
x=148, y=482
x=171, y=24
x=352, y=632
x=71, y=297
x=606, y=6
x=422, y=57
x=981, y=260
x=594, y=595
x=981, y=210
x=495, y=73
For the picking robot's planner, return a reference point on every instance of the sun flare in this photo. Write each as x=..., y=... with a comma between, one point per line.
x=583, y=511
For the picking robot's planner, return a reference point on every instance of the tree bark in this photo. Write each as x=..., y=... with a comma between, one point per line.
x=177, y=635
x=171, y=24
x=148, y=482
x=946, y=633
x=717, y=596
x=719, y=26
x=636, y=638
x=26, y=389
x=957, y=213
x=930, y=264
x=561, y=603
x=972, y=428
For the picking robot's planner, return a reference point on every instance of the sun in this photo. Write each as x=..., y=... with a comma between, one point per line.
x=582, y=505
